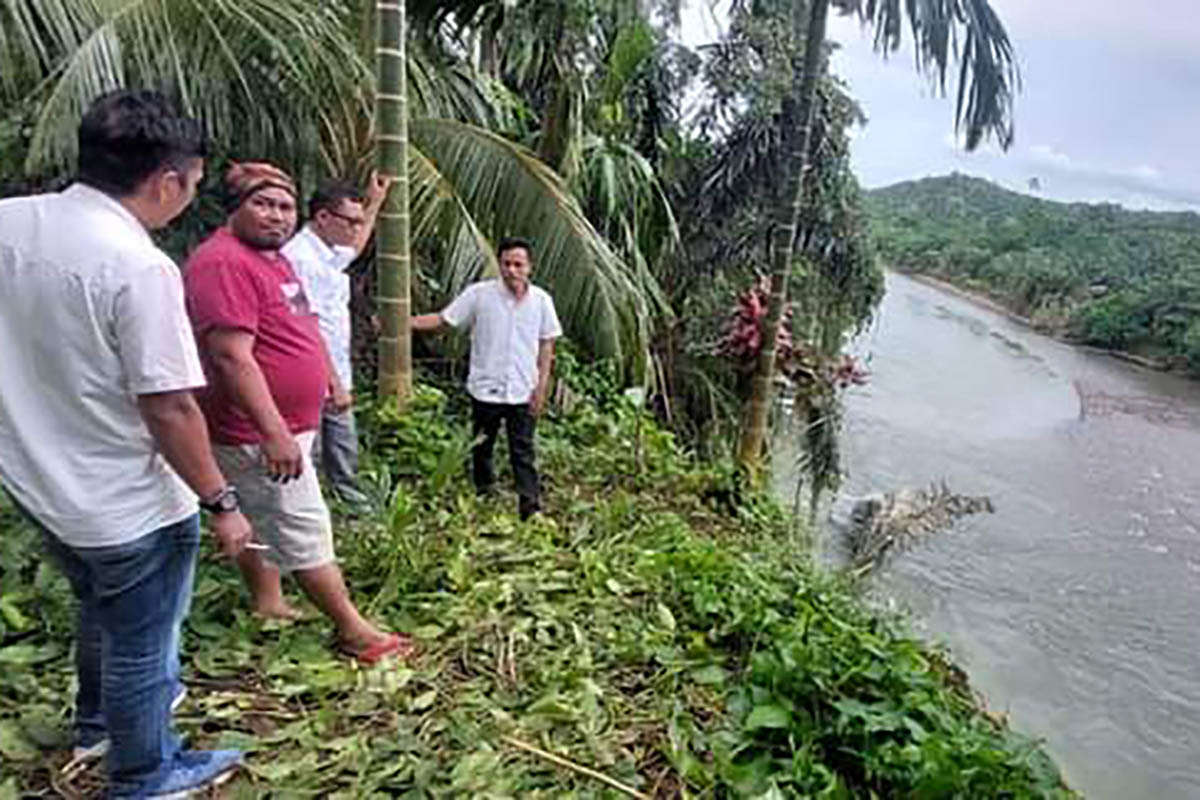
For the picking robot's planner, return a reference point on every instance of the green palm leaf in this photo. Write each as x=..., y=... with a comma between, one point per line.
x=265, y=76
x=621, y=190
x=943, y=31
x=439, y=215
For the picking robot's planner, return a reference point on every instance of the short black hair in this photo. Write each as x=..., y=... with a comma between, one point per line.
x=127, y=134
x=514, y=243
x=331, y=193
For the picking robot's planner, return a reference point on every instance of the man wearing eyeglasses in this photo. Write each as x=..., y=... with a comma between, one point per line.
x=340, y=223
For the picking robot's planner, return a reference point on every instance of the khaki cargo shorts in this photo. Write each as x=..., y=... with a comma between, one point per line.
x=291, y=518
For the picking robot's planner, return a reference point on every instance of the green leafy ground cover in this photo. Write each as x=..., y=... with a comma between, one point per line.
x=669, y=646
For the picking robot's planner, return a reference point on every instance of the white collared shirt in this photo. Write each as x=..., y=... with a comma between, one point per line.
x=505, y=334
x=91, y=316
x=322, y=270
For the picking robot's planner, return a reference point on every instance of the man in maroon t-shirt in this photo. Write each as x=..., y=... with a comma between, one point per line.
x=269, y=375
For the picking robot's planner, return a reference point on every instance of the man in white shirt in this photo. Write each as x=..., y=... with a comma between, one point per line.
x=101, y=442
x=340, y=223
x=513, y=327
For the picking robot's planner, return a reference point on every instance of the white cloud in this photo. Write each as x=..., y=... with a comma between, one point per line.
x=1145, y=172
x=1136, y=184
x=1045, y=154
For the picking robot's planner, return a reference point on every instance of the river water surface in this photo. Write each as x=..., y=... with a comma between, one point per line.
x=1074, y=606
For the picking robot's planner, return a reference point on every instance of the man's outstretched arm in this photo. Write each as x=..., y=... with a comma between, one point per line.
x=377, y=191
x=427, y=322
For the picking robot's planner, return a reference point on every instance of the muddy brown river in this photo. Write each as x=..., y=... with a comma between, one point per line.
x=1075, y=606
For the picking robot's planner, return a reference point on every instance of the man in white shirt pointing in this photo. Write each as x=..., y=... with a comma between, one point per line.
x=513, y=327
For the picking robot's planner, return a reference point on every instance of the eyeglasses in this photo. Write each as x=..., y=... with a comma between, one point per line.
x=353, y=222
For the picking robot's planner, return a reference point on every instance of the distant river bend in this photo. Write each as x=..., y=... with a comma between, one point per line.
x=1076, y=606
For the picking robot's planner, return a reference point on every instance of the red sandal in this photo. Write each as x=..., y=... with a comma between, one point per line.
x=394, y=645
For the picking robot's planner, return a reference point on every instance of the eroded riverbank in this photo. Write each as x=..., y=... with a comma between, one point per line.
x=982, y=298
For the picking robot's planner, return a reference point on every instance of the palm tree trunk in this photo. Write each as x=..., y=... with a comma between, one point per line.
x=489, y=52
x=558, y=126
x=806, y=71
x=392, y=257
x=558, y=118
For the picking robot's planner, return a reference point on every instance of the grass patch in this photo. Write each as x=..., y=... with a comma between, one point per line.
x=636, y=640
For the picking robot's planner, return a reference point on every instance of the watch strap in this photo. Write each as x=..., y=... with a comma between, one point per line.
x=223, y=501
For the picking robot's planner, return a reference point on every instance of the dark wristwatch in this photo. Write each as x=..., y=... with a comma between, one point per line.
x=222, y=502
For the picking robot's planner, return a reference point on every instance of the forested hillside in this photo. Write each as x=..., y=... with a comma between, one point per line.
x=1100, y=274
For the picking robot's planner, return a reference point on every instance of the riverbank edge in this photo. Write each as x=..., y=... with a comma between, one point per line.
x=981, y=298
x=685, y=616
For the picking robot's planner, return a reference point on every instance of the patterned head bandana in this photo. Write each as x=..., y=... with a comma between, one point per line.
x=243, y=180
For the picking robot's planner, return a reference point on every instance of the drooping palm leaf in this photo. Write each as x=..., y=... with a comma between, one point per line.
x=445, y=89
x=438, y=214
x=621, y=190
x=265, y=76
x=944, y=31
x=469, y=173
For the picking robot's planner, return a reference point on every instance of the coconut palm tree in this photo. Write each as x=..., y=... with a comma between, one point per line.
x=270, y=75
x=393, y=258
x=987, y=80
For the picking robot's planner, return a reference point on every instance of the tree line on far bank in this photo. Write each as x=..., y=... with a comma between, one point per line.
x=1098, y=274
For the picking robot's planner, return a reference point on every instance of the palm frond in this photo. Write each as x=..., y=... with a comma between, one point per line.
x=438, y=215
x=509, y=192
x=446, y=89
x=946, y=31
x=881, y=527
x=621, y=190
x=436, y=13
x=264, y=76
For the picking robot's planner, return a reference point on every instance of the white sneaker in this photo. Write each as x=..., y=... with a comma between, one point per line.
x=82, y=755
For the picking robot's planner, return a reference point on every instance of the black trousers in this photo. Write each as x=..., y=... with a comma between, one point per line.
x=519, y=422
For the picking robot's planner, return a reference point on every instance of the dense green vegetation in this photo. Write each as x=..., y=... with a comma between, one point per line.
x=654, y=627
x=1100, y=274
x=661, y=624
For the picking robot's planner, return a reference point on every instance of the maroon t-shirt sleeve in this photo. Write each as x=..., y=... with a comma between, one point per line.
x=223, y=293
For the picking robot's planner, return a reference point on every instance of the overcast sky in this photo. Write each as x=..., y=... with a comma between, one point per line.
x=1109, y=110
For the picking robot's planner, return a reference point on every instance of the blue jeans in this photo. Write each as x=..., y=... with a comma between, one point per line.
x=132, y=601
